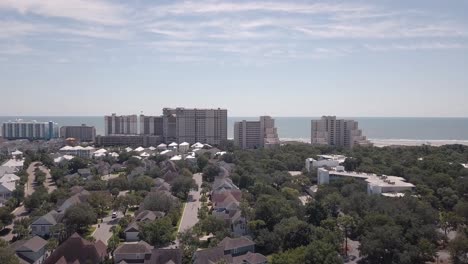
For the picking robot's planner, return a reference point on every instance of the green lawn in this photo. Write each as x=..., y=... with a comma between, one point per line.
x=89, y=232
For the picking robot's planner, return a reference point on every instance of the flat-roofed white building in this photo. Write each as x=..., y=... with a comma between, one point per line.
x=376, y=184
x=324, y=161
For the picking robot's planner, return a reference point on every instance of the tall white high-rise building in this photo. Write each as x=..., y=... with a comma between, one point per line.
x=121, y=125
x=195, y=125
x=20, y=129
x=337, y=132
x=256, y=134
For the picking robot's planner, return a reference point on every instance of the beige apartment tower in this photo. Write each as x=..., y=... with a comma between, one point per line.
x=256, y=134
x=337, y=132
x=121, y=125
x=83, y=133
x=151, y=125
x=195, y=125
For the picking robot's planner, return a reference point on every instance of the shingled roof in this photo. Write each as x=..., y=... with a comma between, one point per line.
x=77, y=250
x=165, y=256
x=140, y=247
x=211, y=255
x=232, y=243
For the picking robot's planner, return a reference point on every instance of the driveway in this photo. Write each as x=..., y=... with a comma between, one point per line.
x=190, y=213
x=103, y=232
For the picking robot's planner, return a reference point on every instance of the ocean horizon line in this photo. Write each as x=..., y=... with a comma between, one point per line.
x=318, y=116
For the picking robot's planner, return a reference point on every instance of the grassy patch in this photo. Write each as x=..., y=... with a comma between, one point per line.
x=89, y=232
x=182, y=208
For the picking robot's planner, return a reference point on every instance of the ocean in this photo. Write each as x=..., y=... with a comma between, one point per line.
x=380, y=130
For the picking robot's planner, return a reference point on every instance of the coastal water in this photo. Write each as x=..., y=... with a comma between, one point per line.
x=406, y=131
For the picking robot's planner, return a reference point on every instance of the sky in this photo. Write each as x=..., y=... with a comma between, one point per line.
x=389, y=58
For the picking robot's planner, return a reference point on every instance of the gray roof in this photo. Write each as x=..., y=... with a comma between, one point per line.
x=84, y=171
x=232, y=243
x=133, y=227
x=140, y=247
x=75, y=199
x=51, y=218
x=5, y=170
x=211, y=255
x=251, y=258
x=149, y=215
x=33, y=244
x=165, y=256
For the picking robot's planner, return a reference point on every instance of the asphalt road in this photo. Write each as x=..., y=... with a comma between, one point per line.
x=190, y=213
x=103, y=232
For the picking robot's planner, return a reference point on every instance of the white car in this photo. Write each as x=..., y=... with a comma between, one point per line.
x=114, y=214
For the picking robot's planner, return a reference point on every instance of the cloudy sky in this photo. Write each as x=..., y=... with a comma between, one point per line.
x=282, y=58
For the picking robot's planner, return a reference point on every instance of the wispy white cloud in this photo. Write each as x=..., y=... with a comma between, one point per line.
x=213, y=28
x=207, y=7
x=14, y=49
x=92, y=11
x=417, y=46
x=11, y=29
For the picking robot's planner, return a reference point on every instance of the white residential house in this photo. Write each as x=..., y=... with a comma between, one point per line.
x=161, y=147
x=17, y=154
x=132, y=232
x=6, y=189
x=15, y=164
x=173, y=146
x=78, y=151
x=167, y=152
x=184, y=147
x=197, y=145
x=176, y=158
x=139, y=149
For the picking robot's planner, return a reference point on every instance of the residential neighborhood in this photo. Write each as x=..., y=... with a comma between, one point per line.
x=121, y=205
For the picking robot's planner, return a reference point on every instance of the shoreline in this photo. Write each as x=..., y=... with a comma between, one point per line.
x=396, y=142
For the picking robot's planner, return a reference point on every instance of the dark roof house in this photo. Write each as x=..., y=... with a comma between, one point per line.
x=165, y=256
x=237, y=246
x=135, y=252
x=77, y=250
x=210, y=256
x=30, y=251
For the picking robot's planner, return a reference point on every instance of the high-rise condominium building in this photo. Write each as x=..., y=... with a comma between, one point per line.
x=195, y=125
x=337, y=132
x=82, y=133
x=256, y=134
x=20, y=129
x=121, y=125
x=151, y=125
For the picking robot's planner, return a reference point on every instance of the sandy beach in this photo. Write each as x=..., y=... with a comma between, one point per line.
x=395, y=142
